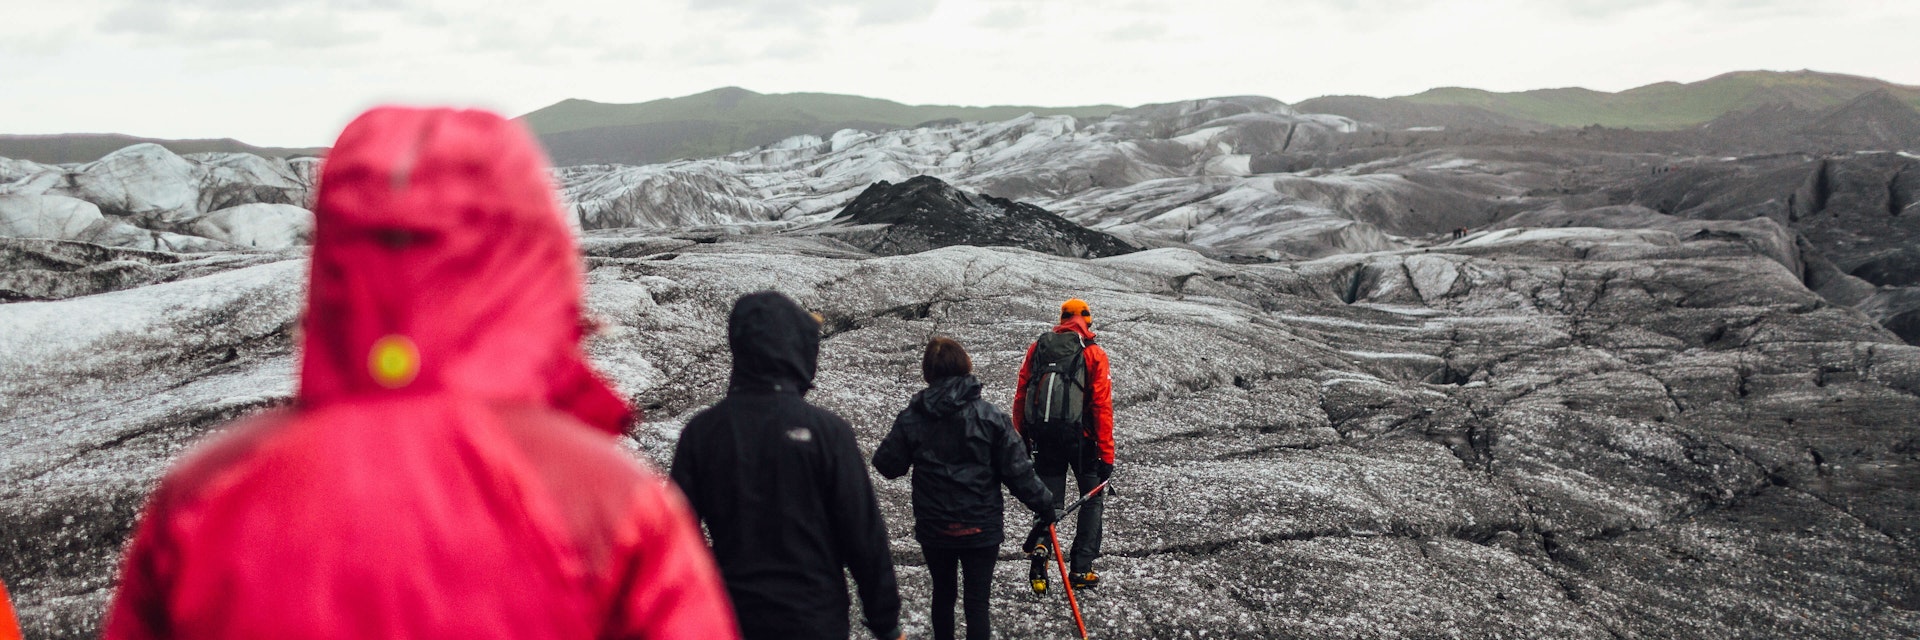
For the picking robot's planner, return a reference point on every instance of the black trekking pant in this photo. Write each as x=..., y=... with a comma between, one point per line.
x=977, y=566
x=1051, y=464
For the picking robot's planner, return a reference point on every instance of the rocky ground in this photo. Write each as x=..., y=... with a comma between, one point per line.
x=1526, y=433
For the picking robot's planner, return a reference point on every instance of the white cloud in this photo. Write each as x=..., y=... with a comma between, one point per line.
x=1138, y=31
x=707, y=52
x=145, y=18
x=880, y=12
x=792, y=50
x=301, y=25
x=1008, y=17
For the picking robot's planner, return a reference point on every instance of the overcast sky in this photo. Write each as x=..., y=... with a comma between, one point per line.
x=291, y=72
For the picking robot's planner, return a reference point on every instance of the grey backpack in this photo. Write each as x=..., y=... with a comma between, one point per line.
x=1056, y=393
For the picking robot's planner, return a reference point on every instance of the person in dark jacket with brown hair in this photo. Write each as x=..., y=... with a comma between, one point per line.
x=782, y=488
x=961, y=449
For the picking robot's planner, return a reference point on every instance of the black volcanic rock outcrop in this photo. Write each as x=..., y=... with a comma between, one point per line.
x=1877, y=120
x=1757, y=127
x=925, y=213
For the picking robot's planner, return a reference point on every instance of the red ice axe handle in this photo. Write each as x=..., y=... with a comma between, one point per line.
x=1064, y=579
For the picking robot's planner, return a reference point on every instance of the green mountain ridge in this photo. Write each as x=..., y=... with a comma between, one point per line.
x=1670, y=105
x=731, y=119
x=734, y=104
x=63, y=148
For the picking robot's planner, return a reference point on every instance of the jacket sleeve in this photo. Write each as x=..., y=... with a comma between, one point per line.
x=860, y=532
x=1014, y=467
x=1102, y=400
x=895, y=455
x=139, y=608
x=1020, y=392
x=681, y=471
x=670, y=587
x=577, y=390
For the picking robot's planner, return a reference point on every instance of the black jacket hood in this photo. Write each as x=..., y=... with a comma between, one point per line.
x=775, y=344
x=947, y=395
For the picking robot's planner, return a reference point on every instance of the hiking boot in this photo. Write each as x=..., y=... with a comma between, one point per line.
x=1086, y=580
x=1037, y=573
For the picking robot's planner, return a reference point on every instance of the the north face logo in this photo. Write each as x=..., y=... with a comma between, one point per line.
x=800, y=435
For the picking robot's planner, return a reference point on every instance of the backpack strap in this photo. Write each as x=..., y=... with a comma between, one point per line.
x=1080, y=365
x=1087, y=419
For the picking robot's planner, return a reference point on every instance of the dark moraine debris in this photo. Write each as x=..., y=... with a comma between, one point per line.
x=924, y=213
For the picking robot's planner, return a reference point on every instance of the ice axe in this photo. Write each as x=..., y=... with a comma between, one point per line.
x=1061, y=560
x=1083, y=499
x=1072, y=602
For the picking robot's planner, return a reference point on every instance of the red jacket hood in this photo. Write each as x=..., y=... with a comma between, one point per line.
x=442, y=264
x=1075, y=324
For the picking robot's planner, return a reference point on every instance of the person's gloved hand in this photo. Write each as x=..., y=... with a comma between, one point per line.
x=1046, y=517
x=1103, y=469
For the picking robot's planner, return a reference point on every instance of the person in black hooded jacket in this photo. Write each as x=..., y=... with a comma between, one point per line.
x=961, y=449
x=782, y=489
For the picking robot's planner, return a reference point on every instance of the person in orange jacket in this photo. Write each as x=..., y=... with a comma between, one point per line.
x=1063, y=408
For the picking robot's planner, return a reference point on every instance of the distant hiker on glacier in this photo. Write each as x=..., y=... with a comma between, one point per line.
x=1063, y=407
x=448, y=466
x=783, y=488
x=961, y=449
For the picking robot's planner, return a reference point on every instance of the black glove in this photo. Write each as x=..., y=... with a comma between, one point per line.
x=1036, y=544
x=1046, y=517
x=1103, y=469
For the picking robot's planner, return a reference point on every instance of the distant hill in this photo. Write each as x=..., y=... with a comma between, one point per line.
x=1874, y=120
x=63, y=148
x=1744, y=106
x=1671, y=105
x=1400, y=114
x=731, y=119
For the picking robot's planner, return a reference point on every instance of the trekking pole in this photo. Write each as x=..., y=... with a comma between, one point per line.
x=1064, y=579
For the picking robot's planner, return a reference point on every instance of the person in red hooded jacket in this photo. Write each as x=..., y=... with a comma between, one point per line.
x=448, y=467
x=1084, y=443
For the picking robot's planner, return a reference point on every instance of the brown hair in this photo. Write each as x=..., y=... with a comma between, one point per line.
x=944, y=358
